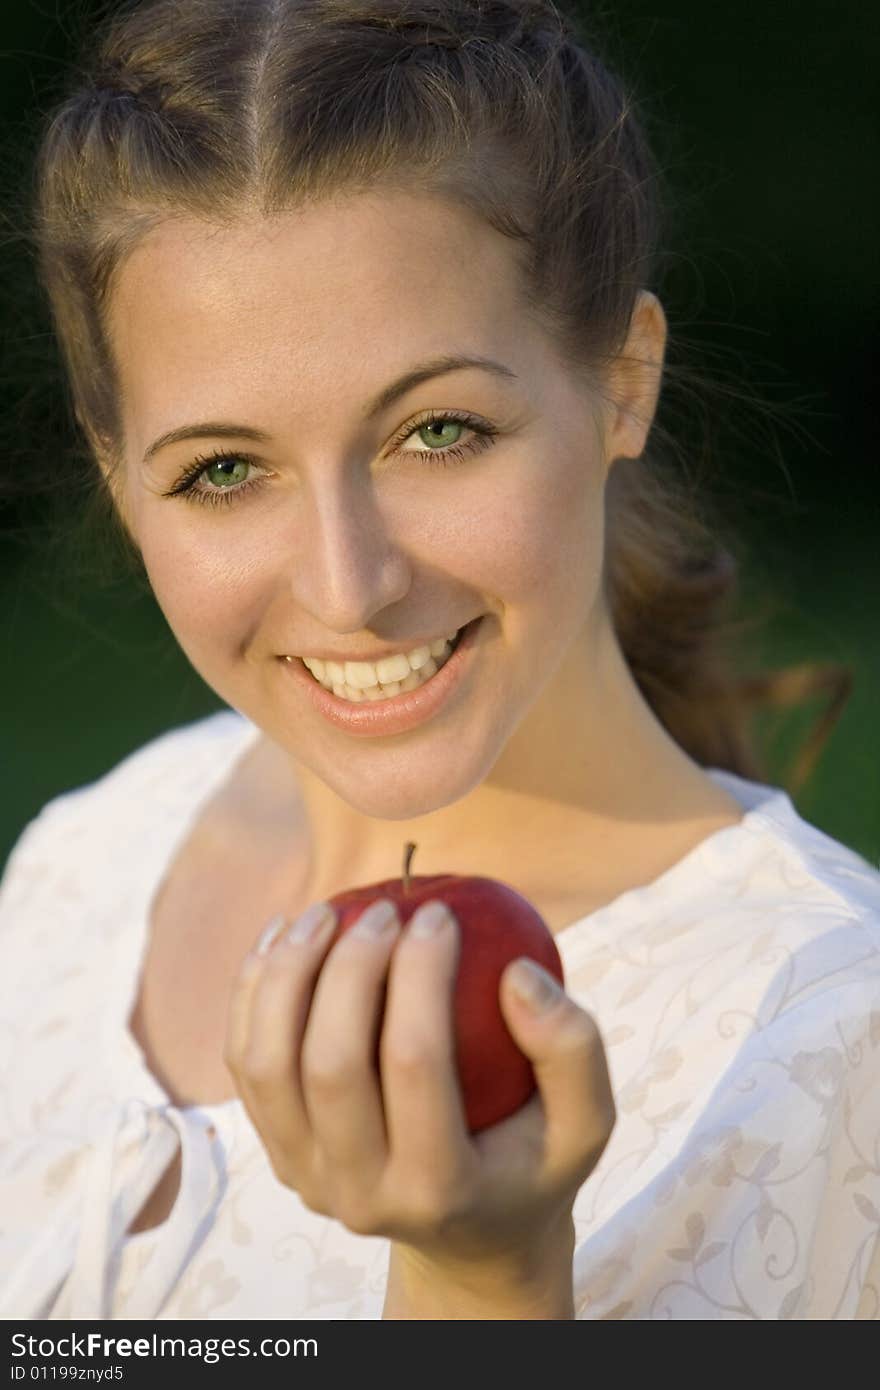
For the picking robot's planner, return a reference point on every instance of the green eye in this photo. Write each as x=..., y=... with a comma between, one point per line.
x=221, y=478
x=226, y=470
x=435, y=428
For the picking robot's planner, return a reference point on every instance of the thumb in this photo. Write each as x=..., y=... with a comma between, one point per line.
x=564, y=1046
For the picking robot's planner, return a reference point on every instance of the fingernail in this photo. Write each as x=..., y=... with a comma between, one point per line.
x=376, y=919
x=429, y=919
x=309, y=923
x=532, y=984
x=269, y=934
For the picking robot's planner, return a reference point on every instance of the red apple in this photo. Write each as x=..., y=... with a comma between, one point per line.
x=496, y=924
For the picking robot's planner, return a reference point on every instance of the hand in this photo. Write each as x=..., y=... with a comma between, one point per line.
x=390, y=1154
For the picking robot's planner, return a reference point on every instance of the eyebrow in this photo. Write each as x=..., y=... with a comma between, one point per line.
x=424, y=371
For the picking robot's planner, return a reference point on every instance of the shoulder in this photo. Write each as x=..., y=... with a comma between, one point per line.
x=762, y=916
x=741, y=1013
x=847, y=876
x=826, y=899
x=792, y=867
x=801, y=914
x=743, y=1032
x=151, y=781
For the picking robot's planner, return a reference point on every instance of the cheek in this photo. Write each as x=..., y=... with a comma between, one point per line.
x=206, y=588
x=541, y=537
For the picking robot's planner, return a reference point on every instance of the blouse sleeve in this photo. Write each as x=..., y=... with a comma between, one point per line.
x=33, y=861
x=767, y=1205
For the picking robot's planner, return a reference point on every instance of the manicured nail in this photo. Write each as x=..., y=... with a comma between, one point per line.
x=269, y=934
x=532, y=984
x=308, y=925
x=429, y=919
x=376, y=919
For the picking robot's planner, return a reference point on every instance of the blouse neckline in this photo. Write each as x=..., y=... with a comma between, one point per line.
x=130, y=1073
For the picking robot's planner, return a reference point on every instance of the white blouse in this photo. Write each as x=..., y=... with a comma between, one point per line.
x=738, y=997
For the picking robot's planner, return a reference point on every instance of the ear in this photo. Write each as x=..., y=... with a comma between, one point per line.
x=635, y=379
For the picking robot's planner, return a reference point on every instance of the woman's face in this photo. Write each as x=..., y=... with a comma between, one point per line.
x=350, y=528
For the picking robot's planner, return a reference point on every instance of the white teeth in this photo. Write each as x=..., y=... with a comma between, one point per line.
x=360, y=674
x=391, y=671
x=392, y=668
x=348, y=692
x=382, y=691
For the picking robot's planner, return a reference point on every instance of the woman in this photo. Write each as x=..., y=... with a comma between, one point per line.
x=371, y=283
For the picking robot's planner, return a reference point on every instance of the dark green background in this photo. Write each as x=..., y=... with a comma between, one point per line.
x=765, y=120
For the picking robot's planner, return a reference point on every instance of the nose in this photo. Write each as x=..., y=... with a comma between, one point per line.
x=349, y=568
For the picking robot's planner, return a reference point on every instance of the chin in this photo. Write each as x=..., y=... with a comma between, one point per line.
x=391, y=803
x=404, y=791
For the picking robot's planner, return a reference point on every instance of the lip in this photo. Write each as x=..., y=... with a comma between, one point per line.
x=374, y=657
x=399, y=713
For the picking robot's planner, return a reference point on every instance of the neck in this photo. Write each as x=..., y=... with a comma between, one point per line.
x=576, y=798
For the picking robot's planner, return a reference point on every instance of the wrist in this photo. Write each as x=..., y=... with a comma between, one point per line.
x=522, y=1285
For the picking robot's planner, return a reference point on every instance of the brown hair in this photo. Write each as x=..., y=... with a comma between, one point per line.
x=218, y=107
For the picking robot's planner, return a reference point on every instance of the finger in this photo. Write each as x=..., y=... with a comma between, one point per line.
x=277, y=1015
x=340, y=1081
x=424, y=1111
x=565, y=1048
x=239, y=1008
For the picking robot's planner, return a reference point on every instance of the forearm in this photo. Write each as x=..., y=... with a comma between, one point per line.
x=518, y=1290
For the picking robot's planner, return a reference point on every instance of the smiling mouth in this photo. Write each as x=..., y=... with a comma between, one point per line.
x=358, y=681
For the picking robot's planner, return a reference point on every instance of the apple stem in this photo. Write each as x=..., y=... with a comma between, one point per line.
x=408, y=852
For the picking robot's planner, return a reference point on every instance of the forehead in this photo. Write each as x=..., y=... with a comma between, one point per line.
x=298, y=301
